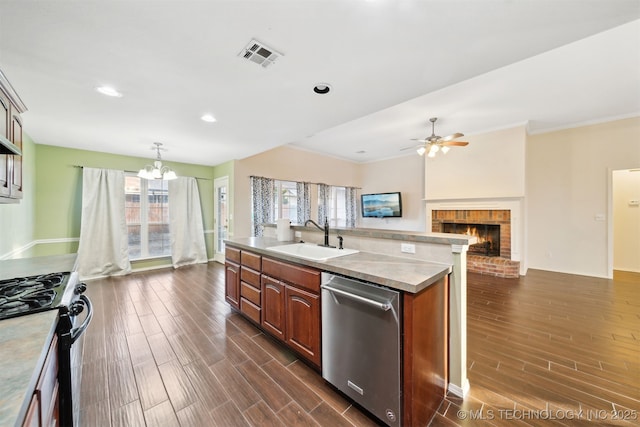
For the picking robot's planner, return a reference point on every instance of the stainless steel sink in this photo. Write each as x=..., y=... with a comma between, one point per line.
x=311, y=252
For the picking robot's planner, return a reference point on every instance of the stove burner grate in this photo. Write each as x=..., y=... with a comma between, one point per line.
x=29, y=294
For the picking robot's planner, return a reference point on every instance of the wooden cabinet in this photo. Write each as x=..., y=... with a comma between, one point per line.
x=425, y=352
x=44, y=410
x=10, y=131
x=273, y=307
x=232, y=277
x=232, y=284
x=250, y=288
x=303, y=323
x=291, y=306
x=282, y=298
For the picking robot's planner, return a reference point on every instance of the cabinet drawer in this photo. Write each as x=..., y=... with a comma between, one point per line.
x=302, y=277
x=232, y=254
x=249, y=309
x=251, y=260
x=249, y=292
x=250, y=276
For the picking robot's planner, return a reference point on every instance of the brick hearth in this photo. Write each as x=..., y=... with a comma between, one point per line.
x=501, y=266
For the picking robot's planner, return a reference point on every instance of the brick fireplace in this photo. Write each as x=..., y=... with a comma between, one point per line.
x=492, y=255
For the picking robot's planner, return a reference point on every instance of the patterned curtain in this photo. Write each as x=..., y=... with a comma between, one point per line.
x=261, y=202
x=303, y=201
x=324, y=202
x=350, y=206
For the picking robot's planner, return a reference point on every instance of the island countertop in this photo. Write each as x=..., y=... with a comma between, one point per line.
x=404, y=274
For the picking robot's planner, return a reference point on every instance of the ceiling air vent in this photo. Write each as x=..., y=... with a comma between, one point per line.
x=259, y=53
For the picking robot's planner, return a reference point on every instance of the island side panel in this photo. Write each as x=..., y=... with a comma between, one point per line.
x=425, y=349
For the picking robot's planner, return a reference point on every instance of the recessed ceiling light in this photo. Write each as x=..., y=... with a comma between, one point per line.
x=109, y=91
x=322, y=88
x=208, y=118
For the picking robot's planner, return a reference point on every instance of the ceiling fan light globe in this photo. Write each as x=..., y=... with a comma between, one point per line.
x=431, y=154
x=445, y=149
x=421, y=150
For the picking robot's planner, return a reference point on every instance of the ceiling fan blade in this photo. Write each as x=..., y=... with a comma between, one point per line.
x=452, y=136
x=455, y=143
x=413, y=147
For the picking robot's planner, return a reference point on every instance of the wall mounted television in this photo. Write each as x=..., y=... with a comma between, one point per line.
x=381, y=205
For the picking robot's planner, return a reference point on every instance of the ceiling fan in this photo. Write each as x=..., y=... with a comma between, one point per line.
x=434, y=143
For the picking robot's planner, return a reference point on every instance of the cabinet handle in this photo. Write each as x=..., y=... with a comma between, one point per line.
x=384, y=306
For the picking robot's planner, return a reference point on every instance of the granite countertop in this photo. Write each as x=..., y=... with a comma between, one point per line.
x=405, y=274
x=24, y=342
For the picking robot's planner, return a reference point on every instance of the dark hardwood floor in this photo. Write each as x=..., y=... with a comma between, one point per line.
x=164, y=349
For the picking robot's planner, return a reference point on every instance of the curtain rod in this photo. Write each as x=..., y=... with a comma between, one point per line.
x=196, y=177
x=306, y=182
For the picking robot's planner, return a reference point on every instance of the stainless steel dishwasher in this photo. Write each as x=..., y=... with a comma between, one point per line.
x=361, y=344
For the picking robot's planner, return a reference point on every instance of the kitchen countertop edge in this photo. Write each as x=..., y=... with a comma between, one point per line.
x=16, y=404
x=399, y=273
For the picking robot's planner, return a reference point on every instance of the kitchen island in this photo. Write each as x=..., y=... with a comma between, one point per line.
x=280, y=294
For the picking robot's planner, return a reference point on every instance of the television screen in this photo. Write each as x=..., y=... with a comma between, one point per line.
x=381, y=205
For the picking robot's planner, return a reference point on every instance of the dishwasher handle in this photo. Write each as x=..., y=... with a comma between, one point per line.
x=384, y=306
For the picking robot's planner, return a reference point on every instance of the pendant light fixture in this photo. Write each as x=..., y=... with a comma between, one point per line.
x=157, y=171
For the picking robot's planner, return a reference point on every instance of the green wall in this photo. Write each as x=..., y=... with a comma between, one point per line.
x=58, y=190
x=17, y=219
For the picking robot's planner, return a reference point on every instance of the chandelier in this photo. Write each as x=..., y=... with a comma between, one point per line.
x=157, y=171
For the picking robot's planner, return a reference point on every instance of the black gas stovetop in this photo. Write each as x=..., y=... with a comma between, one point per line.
x=26, y=295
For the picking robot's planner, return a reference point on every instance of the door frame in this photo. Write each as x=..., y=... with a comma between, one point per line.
x=218, y=183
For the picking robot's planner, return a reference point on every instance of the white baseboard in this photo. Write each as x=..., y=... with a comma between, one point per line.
x=18, y=251
x=459, y=391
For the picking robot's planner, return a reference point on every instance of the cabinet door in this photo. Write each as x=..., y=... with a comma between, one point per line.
x=273, y=307
x=5, y=125
x=232, y=284
x=32, y=419
x=16, y=168
x=303, y=323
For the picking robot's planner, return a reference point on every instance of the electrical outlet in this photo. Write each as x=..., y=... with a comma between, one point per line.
x=408, y=248
x=600, y=217
x=298, y=234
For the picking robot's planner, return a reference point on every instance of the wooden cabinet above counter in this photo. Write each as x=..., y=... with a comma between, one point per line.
x=11, y=106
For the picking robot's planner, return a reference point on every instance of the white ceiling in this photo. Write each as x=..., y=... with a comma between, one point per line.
x=478, y=65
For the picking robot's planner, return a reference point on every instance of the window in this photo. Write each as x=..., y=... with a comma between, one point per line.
x=286, y=200
x=338, y=209
x=147, y=216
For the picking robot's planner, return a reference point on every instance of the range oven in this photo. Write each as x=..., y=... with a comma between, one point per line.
x=22, y=296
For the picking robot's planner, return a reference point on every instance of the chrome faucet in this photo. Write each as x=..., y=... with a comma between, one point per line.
x=325, y=229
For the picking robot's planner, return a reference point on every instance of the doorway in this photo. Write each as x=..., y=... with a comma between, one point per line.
x=221, y=216
x=625, y=205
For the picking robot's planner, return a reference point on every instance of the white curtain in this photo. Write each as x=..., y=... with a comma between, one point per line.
x=185, y=223
x=104, y=245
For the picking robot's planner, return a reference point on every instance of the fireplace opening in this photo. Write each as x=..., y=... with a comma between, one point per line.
x=488, y=236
